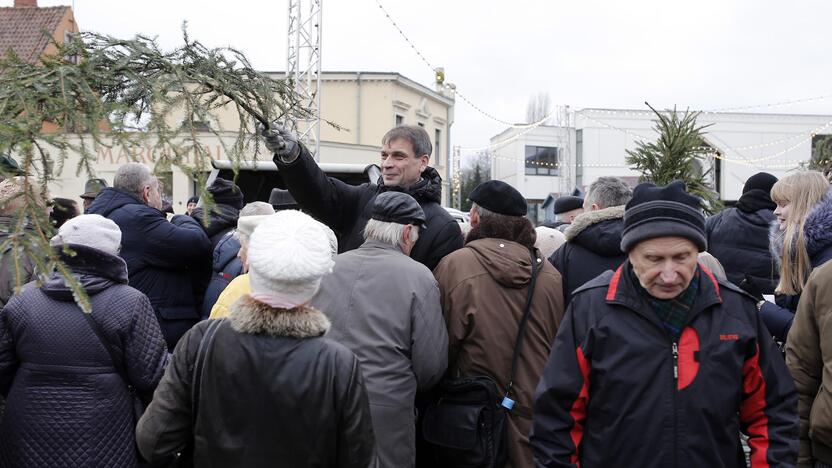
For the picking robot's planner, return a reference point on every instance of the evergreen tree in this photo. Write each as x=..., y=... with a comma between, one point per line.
x=476, y=172
x=821, y=154
x=674, y=155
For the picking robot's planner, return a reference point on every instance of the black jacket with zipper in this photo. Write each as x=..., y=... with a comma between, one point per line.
x=617, y=391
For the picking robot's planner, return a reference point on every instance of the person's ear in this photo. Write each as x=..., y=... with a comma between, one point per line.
x=146, y=193
x=423, y=162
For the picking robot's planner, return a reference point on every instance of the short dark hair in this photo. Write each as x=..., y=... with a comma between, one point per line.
x=416, y=135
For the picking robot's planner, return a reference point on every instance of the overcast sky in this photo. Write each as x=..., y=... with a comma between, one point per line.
x=588, y=53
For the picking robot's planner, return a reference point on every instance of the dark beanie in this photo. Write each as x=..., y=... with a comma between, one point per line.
x=499, y=197
x=760, y=181
x=226, y=192
x=663, y=212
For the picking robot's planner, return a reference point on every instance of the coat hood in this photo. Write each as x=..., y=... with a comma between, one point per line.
x=225, y=252
x=94, y=269
x=599, y=231
x=509, y=263
x=818, y=230
x=429, y=189
x=111, y=199
x=256, y=318
x=220, y=217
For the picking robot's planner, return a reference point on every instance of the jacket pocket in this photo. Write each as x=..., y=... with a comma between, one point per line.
x=820, y=416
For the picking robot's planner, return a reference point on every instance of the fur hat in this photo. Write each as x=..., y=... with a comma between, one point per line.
x=90, y=230
x=288, y=255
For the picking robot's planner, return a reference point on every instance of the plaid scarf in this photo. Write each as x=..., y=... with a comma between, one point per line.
x=673, y=313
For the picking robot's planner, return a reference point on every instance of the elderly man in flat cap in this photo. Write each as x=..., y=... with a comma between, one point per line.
x=659, y=363
x=567, y=208
x=91, y=190
x=487, y=287
x=384, y=306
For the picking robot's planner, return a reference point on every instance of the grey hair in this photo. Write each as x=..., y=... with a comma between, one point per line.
x=416, y=135
x=389, y=233
x=609, y=191
x=257, y=208
x=483, y=212
x=133, y=178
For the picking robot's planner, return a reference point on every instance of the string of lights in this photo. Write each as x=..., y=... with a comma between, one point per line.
x=455, y=90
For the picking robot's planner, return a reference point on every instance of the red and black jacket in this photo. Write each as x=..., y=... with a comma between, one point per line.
x=617, y=391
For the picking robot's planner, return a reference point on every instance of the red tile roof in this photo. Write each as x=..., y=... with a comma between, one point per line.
x=21, y=29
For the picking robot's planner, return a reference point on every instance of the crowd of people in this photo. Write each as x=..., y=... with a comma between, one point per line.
x=364, y=329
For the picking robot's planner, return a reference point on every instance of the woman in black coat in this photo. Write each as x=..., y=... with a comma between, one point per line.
x=67, y=402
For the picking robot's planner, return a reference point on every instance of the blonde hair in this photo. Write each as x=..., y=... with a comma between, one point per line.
x=801, y=191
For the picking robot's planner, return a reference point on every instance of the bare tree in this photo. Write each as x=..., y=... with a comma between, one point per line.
x=539, y=106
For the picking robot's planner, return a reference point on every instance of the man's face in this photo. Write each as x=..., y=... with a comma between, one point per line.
x=664, y=265
x=400, y=166
x=153, y=194
x=191, y=207
x=87, y=202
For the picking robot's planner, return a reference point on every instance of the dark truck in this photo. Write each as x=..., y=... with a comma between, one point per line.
x=257, y=178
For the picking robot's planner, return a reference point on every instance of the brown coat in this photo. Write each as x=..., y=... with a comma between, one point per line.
x=809, y=357
x=483, y=289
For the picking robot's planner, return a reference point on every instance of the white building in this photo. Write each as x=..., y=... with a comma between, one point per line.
x=548, y=161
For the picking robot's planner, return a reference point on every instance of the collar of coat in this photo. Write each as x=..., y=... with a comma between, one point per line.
x=589, y=218
x=256, y=318
x=622, y=290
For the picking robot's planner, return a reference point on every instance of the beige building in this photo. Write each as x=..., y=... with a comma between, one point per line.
x=364, y=104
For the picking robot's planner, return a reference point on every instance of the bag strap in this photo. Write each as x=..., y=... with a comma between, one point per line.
x=507, y=402
x=118, y=362
x=204, y=344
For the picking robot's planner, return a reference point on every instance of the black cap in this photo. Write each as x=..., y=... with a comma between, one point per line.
x=663, y=212
x=281, y=199
x=398, y=207
x=192, y=200
x=568, y=203
x=760, y=181
x=92, y=187
x=499, y=197
x=227, y=193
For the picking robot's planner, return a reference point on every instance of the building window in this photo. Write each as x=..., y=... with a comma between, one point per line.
x=68, y=38
x=437, y=145
x=399, y=120
x=542, y=160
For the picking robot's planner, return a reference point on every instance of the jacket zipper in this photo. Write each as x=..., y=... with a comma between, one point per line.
x=675, y=351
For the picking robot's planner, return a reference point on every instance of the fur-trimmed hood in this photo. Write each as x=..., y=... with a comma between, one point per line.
x=256, y=318
x=818, y=231
x=599, y=231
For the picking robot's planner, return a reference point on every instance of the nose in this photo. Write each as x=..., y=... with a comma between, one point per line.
x=386, y=163
x=668, y=275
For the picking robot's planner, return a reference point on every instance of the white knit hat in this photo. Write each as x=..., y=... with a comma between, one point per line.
x=288, y=254
x=548, y=240
x=90, y=230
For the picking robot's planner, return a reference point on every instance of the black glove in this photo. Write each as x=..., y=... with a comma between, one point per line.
x=281, y=142
x=748, y=285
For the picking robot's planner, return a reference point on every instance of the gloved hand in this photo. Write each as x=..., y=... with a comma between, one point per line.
x=281, y=142
x=748, y=285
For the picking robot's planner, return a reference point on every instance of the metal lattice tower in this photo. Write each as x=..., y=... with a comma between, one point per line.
x=303, y=68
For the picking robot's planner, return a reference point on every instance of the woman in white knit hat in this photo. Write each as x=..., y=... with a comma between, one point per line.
x=269, y=389
x=66, y=372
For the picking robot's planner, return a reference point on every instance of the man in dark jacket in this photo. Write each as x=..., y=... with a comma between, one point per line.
x=593, y=241
x=405, y=154
x=660, y=364
x=739, y=237
x=484, y=288
x=165, y=260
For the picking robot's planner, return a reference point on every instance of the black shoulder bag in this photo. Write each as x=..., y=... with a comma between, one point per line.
x=466, y=427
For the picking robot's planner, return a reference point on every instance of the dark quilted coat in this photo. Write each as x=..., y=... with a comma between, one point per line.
x=66, y=405
x=168, y=261
x=739, y=240
x=221, y=220
x=226, y=267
